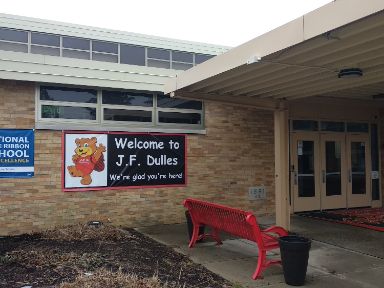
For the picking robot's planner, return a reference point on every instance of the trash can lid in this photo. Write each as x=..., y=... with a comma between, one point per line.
x=294, y=239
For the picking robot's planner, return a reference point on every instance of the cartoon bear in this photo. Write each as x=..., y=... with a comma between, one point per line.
x=88, y=157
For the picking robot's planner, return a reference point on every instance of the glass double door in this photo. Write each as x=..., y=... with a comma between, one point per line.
x=329, y=171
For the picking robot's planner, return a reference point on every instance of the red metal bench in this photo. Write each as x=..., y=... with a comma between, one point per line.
x=236, y=222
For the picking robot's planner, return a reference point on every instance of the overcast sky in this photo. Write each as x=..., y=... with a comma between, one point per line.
x=224, y=22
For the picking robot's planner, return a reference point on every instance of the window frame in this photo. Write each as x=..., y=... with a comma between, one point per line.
x=320, y=130
x=27, y=44
x=171, y=63
x=40, y=103
x=124, y=123
x=159, y=60
x=182, y=62
x=33, y=45
x=180, y=110
x=110, y=125
x=92, y=51
x=128, y=108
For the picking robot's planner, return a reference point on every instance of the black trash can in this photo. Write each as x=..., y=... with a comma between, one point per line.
x=190, y=227
x=294, y=252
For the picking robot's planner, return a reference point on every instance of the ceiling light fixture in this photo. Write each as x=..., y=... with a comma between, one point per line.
x=253, y=59
x=350, y=73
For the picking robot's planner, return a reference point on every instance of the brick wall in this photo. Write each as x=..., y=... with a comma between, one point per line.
x=236, y=153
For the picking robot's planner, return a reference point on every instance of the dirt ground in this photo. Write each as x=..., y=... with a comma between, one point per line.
x=54, y=257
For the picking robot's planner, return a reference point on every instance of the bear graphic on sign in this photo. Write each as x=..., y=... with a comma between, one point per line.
x=88, y=157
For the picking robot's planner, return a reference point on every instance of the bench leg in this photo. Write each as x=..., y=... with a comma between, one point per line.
x=216, y=236
x=195, y=236
x=261, y=261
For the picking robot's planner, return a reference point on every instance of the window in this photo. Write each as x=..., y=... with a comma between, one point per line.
x=332, y=126
x=13, y=40
x=105, y=51
x=134, y=55
x=127, y=115
x=97, y=50
x=76, y=48
x=75, y=43
x=13, y=35
x=63, y=94
x=167, y=102
x=158, y=58
x=68, y=103
x=68, y=112
x=357, y=127
x=200, y=58
x=105, y=47
x=177, y=117
x=127, y=106
x=127, y=98
x=305, y=125
x=179, y=111
x=182, y=60
x=45, y=39
x=116, y=109
x=45, y=44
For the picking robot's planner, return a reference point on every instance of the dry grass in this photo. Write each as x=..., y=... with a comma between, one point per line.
x=72, y=253
x=107, y=279
x=80, y=232
x=40, y=257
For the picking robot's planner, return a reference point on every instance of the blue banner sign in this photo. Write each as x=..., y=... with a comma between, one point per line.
x=16, y=153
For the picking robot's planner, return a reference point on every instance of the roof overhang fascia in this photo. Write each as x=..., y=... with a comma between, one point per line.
x=262, y=104
x=337, y=14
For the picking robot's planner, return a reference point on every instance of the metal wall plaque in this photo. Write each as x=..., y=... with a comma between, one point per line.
x=257, y=192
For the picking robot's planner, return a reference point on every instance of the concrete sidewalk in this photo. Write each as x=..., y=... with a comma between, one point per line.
x=340, y=255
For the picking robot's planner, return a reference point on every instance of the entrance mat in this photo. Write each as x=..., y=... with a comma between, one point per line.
x=370, y=218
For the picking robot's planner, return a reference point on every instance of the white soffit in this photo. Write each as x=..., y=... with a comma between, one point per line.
x=298, y=60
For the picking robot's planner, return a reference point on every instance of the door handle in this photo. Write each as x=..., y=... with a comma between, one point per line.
x=295, y=178
x=349, y=176
x=323, y=175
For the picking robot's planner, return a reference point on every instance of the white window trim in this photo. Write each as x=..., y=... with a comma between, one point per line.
x=43, y=45
x=104, y=53
x=180, y=62
x=14, y=42
x=74, y=49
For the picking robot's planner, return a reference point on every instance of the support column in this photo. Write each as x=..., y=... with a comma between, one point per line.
x=282, y=168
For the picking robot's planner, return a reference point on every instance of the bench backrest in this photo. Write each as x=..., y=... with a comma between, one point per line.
x=231, y=220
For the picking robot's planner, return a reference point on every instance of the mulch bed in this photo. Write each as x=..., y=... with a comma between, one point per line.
x=51, y=258
x=370, y=218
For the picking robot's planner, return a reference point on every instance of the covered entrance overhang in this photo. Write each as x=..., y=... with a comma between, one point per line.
x=325, y=65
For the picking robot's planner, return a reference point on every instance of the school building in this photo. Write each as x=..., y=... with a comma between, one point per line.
x=290, y=121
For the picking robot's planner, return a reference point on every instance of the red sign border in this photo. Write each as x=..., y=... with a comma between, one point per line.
x=121, y=187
